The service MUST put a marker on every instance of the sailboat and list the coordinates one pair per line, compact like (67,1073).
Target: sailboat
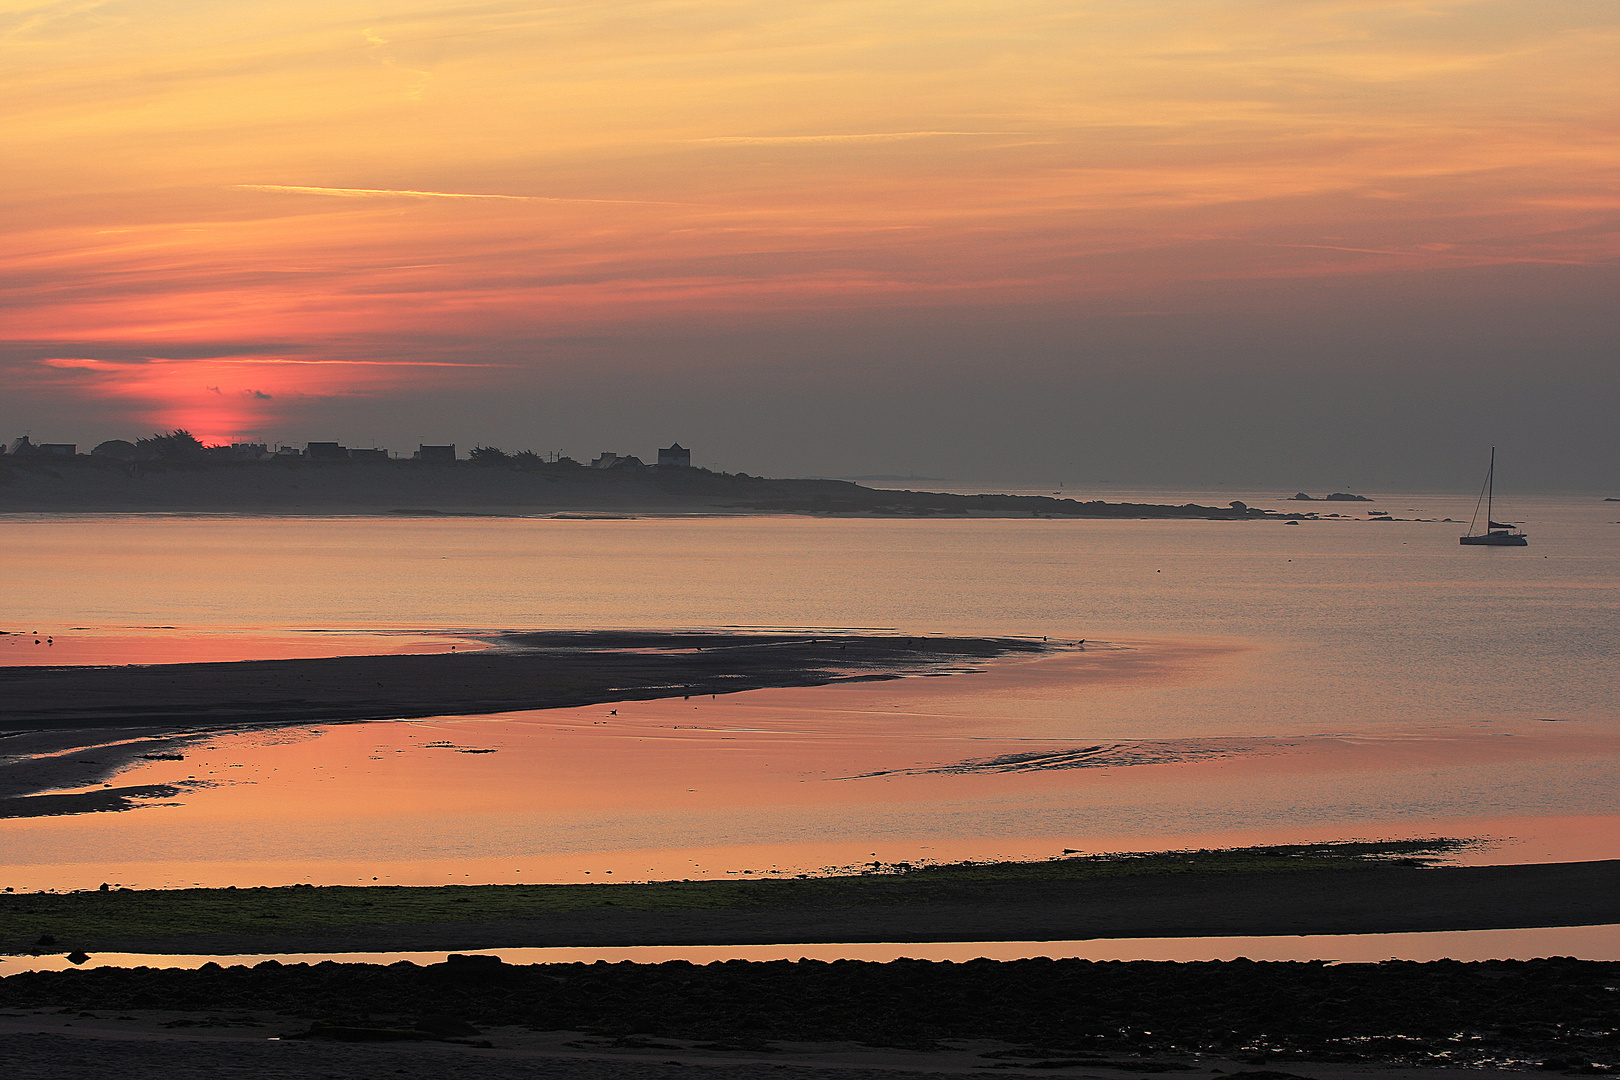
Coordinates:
(1496,534)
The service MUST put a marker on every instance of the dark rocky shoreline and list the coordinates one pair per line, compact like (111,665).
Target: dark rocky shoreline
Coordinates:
(1553,1014)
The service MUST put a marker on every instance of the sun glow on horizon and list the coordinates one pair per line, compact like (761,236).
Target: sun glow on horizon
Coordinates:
(317,188)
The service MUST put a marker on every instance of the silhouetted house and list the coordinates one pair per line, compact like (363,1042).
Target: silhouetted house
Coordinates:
(326,451)
(288,452)
(358,454)
(23,447)
(425,452)
(677,455)
(247,451)
(617,461)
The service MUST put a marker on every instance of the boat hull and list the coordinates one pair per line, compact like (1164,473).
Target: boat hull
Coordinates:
(1495,540)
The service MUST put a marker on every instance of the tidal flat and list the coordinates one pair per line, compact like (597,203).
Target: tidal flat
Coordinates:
(529,670)
(73,726)
(1367,887)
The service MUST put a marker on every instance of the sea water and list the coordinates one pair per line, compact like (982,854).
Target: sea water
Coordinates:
(1240,682)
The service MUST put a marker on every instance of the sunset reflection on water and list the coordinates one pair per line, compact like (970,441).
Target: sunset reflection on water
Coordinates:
(1240,684)
(782,782)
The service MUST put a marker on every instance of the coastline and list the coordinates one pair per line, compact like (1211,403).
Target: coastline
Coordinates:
(88,485)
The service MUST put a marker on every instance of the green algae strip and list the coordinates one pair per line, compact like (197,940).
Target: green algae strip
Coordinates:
(82,919)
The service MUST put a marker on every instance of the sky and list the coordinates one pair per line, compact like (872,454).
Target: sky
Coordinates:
(1314,244)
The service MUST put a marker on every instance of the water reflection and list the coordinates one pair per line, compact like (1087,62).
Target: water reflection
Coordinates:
(1272,683)
(1581,942)
(800,780)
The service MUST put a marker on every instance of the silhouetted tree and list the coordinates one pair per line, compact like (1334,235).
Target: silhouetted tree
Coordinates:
(178,444)
(488,455)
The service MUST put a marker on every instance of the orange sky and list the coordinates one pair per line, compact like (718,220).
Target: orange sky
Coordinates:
(300,220)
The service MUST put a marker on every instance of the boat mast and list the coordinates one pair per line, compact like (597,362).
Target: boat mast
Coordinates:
(1490,491)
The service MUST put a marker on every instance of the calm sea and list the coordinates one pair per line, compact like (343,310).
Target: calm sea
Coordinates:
(1241,682)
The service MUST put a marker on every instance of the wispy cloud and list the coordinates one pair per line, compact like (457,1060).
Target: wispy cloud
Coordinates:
(1430,251)
(354,363)
(98,364)
(88,363)
(406,193)
(868,136)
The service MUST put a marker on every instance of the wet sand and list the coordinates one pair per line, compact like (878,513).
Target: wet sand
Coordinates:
(72,727)
(534,670)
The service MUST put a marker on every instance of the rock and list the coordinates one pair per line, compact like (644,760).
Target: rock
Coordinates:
(473,961)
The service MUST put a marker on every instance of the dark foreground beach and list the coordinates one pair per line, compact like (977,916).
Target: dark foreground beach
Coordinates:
(477,1017)
(474,1016)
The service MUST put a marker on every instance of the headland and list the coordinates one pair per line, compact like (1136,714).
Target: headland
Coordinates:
(509,487)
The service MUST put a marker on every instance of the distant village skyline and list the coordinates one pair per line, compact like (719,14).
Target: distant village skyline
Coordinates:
(180,443)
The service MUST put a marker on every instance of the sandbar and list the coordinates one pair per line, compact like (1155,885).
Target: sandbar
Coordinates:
(70,727)
(1305,889)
